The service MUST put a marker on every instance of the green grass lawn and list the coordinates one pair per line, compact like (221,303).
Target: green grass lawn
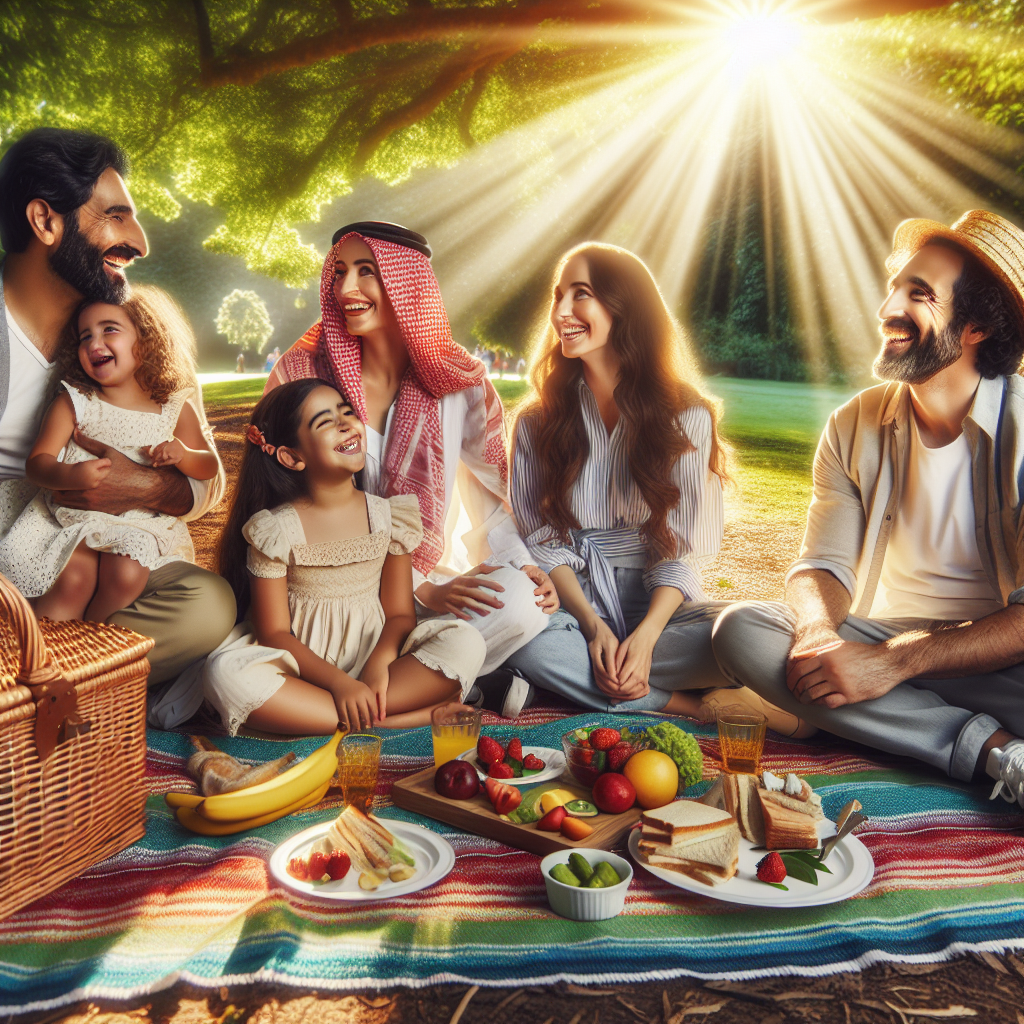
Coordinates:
(772,426)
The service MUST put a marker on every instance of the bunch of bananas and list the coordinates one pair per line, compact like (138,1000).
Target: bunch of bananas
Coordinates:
(225,813)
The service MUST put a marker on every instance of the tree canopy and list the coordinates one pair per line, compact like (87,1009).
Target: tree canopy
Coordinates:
(268,109)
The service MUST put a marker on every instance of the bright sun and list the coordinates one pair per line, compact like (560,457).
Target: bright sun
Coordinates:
(759,40)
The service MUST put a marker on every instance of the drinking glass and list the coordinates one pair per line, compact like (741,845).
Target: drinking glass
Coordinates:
(358,763)
(741,738)
(453,729)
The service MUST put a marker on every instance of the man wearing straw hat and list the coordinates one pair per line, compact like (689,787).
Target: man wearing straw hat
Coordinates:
(903,626)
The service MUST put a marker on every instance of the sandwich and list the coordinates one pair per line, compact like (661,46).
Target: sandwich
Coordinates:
(373,850)
(737,794)
(695,839)
(791,811)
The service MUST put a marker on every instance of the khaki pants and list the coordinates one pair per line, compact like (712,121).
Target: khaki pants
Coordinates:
(186,610)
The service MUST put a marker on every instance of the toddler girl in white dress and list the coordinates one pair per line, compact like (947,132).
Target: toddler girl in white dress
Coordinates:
(322,573)
(127,375)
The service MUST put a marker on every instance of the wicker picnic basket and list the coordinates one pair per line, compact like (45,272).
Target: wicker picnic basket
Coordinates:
(72,747)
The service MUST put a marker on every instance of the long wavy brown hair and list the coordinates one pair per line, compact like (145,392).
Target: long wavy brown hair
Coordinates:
(165,348)
(658,381)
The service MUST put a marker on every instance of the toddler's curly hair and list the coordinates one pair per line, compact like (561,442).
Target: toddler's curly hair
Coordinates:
(165,347)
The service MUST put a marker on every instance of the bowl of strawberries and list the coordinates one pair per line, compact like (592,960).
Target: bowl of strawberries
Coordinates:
(595,749)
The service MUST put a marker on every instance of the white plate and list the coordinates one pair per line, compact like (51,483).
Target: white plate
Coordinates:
(554,765)
(850,863)
(434,858)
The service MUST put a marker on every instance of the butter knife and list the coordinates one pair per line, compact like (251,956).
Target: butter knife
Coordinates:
(849,825)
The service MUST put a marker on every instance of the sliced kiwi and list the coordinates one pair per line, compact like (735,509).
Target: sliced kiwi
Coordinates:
(581,809)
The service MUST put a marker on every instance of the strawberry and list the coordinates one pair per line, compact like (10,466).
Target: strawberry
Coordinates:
(583,743)
(586,756)
(619,755)
(490,751)
(574,829)
(515,749)
(552,821)
(500,770)
(317,865)
(503,798)
(532,763)
(338,865)
(771,868)
(298,868)
(604,739)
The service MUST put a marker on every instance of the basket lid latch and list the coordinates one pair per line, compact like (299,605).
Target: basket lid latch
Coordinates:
(57,718)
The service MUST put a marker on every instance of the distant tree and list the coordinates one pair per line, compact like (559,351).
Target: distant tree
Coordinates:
(243,317)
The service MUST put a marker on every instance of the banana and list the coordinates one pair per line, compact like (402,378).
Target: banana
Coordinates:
(283,791)
(177,800)
(197,823)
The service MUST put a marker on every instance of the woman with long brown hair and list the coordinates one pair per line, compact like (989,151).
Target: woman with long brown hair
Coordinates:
(617,488)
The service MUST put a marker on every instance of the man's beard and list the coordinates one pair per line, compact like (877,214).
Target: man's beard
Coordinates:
(81,265)
(924,355)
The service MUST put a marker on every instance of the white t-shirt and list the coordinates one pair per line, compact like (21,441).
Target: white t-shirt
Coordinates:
(19,427)
(932,569)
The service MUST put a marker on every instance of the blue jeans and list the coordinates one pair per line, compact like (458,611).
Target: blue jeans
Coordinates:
(558,659)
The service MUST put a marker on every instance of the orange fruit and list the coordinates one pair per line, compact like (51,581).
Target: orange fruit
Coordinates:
(655,778)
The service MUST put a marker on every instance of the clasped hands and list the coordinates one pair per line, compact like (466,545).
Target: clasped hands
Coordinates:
(472,592)
(825,669)
(622,670)
(362,703)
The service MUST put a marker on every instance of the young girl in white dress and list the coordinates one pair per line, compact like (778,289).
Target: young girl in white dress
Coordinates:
(128,381)
(322,573)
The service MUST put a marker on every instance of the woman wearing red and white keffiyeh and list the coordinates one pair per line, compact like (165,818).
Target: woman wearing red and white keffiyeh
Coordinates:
(434,428)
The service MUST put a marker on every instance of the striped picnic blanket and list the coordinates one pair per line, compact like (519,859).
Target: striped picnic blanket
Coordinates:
(949,868)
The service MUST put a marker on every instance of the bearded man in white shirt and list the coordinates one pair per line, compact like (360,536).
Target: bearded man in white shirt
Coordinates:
(68,228)
(903,626)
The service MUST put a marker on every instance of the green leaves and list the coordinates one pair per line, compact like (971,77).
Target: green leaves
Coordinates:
(803,865)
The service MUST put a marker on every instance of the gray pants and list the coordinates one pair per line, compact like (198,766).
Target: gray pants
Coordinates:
(943,722)
(558,659)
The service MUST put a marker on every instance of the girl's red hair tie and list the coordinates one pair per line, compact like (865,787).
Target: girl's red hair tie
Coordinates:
(255,436)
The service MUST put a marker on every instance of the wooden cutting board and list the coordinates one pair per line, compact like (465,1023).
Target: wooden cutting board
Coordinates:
(417,793)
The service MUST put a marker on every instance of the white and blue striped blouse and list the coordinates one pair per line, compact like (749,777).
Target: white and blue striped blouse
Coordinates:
(610,509)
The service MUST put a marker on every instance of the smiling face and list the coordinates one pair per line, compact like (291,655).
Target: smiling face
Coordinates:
(106,344)
(359,291)
(581,322)
(330,434)
(918,335)
(99,241)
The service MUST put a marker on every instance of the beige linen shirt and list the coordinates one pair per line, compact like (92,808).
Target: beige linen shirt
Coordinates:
(859,469)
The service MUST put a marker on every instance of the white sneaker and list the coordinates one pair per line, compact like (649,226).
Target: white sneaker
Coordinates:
(502,692)
(1009,763)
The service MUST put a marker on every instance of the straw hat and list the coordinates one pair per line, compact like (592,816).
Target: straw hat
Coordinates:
(997,243)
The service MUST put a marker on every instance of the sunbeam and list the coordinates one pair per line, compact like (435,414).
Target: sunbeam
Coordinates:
(756,109)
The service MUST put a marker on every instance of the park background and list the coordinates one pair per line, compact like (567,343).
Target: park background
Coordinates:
(756,153)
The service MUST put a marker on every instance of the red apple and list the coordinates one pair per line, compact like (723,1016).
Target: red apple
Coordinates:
(457,780)
(613,793)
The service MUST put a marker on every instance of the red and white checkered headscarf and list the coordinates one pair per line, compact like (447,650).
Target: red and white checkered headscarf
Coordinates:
(414,458)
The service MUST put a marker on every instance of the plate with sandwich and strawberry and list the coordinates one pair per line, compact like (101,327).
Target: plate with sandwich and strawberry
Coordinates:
(357,858)
(754,840)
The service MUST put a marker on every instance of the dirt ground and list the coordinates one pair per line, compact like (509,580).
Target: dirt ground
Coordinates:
(986,987)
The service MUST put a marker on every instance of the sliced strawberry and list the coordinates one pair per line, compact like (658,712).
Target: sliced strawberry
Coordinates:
(338,865)
(499,770)
(552,821)
(532,763)
(515,749)
(299,868)
(489,750)
(604,739)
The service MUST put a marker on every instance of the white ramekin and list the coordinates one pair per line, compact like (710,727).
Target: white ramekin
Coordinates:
(581,904)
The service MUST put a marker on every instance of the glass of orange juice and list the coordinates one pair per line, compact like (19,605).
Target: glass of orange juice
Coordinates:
(741,738)
(358,764)
(454,728)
